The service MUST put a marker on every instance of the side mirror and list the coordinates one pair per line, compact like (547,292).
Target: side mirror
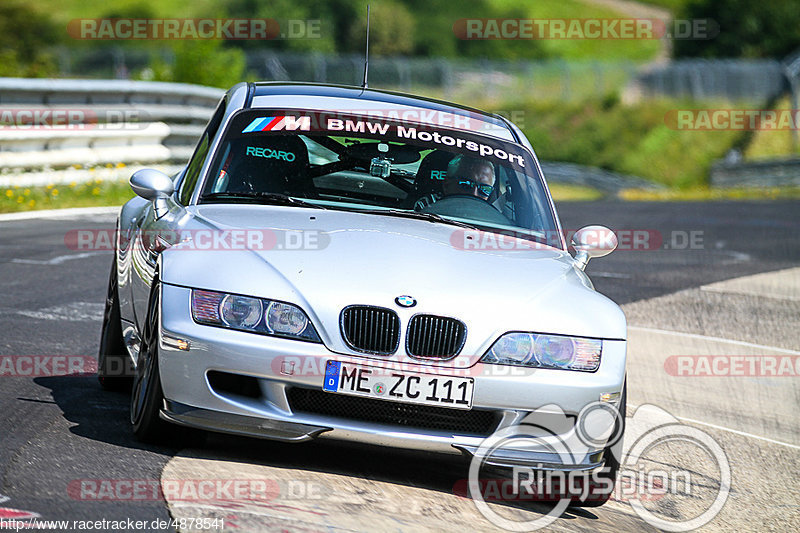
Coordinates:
(152,184)
(593,241)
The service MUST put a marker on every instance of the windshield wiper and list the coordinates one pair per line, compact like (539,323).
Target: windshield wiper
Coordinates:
(272,198)
(430,217)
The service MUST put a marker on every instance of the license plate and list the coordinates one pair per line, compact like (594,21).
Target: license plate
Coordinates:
(406,387)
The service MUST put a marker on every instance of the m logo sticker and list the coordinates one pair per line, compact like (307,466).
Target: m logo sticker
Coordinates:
(279,123)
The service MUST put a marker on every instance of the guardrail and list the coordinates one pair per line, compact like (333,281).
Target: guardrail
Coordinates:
(60,92)
(772,173)
(110,122)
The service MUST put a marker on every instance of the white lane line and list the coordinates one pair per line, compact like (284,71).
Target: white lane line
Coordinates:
(730,430)
(608,275)
(736,257)
(56,260)
(780,284)
(57,213)
(738,343)
(715,339)
(74,312)
(741,292)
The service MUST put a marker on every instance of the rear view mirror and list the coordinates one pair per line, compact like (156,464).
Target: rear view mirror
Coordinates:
(152,184)
(593,241)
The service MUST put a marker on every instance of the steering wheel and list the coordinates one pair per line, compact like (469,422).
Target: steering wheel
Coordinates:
(468,207)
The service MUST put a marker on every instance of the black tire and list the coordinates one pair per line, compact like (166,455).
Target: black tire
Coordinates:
(147,397)
(113,361)
(611,457)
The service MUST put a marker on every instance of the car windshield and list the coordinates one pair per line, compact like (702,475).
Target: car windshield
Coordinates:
(370,164)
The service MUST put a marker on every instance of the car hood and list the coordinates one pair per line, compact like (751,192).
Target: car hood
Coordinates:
(352,258)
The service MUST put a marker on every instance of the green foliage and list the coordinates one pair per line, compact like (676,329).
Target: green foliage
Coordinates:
(672,5)
(334,16)
(25,35)
(629,139)
(391,29)
(408,27)
(747,29)
(205,62)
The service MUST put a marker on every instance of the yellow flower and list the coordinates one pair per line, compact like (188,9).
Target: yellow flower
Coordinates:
(120,165)
(9,193)
(27,192)
(32,203)
(72,185)
(54,192)
(49,186)
(96,191)
(20,199)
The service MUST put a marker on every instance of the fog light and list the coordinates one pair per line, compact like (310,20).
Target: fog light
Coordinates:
(609,397)
(179,344)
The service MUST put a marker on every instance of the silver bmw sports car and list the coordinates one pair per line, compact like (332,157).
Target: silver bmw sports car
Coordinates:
(336,262)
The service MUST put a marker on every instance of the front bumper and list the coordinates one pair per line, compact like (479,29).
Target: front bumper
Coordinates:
(514,396)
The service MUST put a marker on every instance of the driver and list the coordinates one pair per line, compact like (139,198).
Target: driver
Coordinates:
(465,176)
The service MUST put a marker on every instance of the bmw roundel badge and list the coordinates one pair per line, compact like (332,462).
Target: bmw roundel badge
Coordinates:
(405,301)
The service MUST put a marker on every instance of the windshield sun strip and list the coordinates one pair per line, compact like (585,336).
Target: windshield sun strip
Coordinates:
(535,172)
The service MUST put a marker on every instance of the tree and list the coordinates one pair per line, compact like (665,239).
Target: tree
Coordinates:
(203,61)
(747,29)
(25,36)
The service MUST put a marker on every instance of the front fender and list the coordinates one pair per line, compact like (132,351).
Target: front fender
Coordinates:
(232,271)
(129,217)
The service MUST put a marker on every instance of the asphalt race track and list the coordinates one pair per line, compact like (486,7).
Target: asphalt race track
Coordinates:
(705,298)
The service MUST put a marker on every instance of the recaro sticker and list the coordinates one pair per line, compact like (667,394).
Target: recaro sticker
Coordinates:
(269,153)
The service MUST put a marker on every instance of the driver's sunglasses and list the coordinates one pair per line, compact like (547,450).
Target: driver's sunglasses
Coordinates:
(469,185)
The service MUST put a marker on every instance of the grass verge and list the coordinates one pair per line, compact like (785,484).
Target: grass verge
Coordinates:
(630,139)
(87,194)
(704,194)
(573,193)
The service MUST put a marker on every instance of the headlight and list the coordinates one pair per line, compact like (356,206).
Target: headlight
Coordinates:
(285,318)
(240,312)
(255,315)
(545,351)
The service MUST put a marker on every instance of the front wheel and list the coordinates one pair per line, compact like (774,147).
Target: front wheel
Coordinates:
(601,492)
(147,398)
(113,362)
